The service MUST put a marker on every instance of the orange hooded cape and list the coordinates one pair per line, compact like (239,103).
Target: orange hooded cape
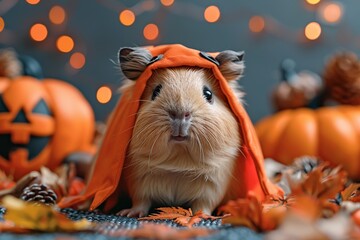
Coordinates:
(104,185)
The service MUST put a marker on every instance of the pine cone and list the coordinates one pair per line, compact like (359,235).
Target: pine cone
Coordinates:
(10,65)
(342,78)
(39,194)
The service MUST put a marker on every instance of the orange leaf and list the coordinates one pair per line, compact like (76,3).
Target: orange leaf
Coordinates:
(251,213)
(7,226)
(180,215)
(322,183)
(6,182)
(351,193)
(77,185)
(40,217)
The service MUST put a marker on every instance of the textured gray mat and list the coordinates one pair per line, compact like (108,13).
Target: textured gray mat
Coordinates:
(114,223)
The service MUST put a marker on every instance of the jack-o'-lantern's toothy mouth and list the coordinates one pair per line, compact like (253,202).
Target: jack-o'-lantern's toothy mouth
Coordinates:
(34,147)
(13,138)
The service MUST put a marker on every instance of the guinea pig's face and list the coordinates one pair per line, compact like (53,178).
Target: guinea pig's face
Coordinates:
(183,111)
(184,108)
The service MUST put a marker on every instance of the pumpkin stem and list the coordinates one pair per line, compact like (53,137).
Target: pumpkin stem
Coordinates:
(13,65)
(10,66)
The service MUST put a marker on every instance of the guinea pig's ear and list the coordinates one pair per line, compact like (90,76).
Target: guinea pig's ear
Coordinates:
(133,61)
(231,64)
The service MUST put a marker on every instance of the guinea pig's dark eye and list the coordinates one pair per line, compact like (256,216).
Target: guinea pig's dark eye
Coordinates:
(156,92)
(208,95)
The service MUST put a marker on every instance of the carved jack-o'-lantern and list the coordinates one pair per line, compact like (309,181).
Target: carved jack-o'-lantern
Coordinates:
(41,122)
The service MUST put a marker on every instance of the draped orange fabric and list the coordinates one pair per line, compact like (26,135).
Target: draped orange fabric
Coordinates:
(104,184)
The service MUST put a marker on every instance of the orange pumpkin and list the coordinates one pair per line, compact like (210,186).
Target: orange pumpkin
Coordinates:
(330,133)
(41,122)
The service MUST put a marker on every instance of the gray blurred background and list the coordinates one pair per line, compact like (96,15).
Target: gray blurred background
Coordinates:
(98,34)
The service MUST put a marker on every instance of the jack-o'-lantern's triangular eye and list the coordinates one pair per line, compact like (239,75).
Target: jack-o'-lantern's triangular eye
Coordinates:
(41,108)
(3,107)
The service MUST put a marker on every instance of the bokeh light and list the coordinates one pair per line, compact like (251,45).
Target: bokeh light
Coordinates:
(331,12)
(65,43)
(313,2)
(77,60)
(212,14)
(167,3)
(2,24)
(103,94)
(33,2)
(257,24)
(57,15)
(127,17)
(38,32)
(151,31)
(313,31)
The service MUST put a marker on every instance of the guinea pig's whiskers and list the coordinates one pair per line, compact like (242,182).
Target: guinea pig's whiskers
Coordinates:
(210,145)
(201,151)
(148,126)
(126,130)
(152,147)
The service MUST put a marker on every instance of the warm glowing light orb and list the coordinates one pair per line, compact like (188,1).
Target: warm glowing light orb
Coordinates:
(151,31)
(57,15)
(332,12)
(257,24)
(167,3)
(38,32)
(313,31)
(77,60)
(212,14)
(2,24)
(127,17)
(33,2)
(65,43)
(103,94)
(313,2)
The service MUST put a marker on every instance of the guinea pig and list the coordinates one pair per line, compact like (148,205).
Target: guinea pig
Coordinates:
(186,138)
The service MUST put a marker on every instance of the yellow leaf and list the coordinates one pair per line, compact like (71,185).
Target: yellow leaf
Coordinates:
(40,217)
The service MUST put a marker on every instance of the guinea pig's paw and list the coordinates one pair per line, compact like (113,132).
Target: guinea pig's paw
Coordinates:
(134,212)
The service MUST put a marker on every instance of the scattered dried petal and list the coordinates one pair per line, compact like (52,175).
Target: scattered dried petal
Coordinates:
(180,215)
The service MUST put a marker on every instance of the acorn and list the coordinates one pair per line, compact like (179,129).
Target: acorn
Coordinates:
(39,194)
(342,78)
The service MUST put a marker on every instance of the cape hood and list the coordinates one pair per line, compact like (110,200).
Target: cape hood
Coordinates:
(104,184)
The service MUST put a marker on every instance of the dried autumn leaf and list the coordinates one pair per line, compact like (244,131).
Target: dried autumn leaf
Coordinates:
(6,226)
(53,181)
(6,182)
(160,231)
(40,217)
(180,215)
(17,189)
(243,212)
(321,183)
(351,193)
(317,189)
(251,213)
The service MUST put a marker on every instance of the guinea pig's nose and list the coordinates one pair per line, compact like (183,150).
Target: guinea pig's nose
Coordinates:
(179,115)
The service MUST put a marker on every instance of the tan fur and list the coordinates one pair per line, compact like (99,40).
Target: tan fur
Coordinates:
(195,172)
